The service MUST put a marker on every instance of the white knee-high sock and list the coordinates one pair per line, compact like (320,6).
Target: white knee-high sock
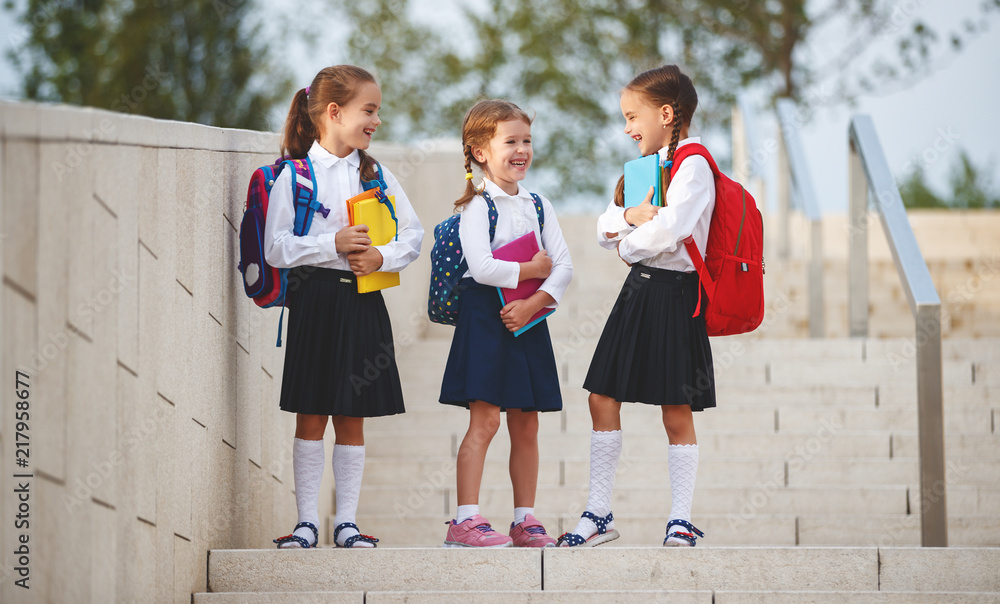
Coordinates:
(308,459)
(348,470)
(683,463)
(605,450)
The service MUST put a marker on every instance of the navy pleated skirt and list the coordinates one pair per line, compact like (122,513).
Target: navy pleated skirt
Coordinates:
(487,363)
(339,355)
(652,351)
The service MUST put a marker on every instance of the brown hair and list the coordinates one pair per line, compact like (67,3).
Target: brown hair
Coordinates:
(478,128)
(665,85)
(338,84)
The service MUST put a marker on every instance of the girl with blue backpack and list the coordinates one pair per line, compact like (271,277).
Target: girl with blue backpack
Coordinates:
(489,370)
(334,332)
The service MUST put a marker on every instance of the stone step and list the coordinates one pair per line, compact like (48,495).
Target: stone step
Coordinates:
(761,569)
(597,597)
(708,499)
(741,527)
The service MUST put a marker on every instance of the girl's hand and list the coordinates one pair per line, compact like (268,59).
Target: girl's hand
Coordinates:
(644,212)
(541,265)
(354,239)
(366,262)
(517,313)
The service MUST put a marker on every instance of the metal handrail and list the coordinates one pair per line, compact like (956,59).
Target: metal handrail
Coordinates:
(792,162)
(869,174)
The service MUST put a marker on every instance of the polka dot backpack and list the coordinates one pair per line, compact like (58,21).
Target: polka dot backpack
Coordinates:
(448,264)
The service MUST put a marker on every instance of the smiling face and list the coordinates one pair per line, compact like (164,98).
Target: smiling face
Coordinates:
(351,126)
(645,122)
(507,158)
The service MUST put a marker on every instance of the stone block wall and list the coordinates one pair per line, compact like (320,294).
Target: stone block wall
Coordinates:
(153,428)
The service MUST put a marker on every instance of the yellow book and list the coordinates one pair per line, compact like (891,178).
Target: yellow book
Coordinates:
(381,230)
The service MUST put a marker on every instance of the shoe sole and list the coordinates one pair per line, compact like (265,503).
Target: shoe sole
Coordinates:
(598,539)
(457,544)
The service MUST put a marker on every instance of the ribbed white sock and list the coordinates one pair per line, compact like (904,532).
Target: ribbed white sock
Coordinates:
(520,513)
(683,463)
(308,459)
(348,470)
(605,449)
(464,512)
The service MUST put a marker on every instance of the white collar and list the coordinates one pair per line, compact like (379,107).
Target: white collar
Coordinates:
(495,191)
(328,160)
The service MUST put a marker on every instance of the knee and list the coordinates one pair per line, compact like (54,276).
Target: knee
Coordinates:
(522,426)
(484,426)
(604,411)
(310,427)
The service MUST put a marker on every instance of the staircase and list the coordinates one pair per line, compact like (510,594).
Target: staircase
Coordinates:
(808,482)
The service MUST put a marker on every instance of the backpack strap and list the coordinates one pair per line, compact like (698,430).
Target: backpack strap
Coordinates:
(692,248)
(378,183)
(492,212)
(304,195)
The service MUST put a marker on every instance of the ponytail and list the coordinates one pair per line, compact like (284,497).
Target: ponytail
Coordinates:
(299,132)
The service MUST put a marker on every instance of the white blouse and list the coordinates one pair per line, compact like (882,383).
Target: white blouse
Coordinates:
(688,211)
(516,216)
(337,180)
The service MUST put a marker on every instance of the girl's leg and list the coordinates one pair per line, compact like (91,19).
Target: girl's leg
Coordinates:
(682,460)
(523,429)
(484,421)
(605,450)
(348,470)
(308,459)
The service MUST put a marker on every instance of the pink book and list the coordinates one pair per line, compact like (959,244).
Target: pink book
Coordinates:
(522,249)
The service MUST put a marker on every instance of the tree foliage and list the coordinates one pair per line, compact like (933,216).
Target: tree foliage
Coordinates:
(199,61)
(972,188)
(567,61)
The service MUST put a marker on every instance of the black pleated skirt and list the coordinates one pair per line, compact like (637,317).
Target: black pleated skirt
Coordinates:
(652,351)
(339,355)
(487,363)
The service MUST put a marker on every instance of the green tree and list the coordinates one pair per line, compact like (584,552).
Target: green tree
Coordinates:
(198,61)
(972,187)
(567,60)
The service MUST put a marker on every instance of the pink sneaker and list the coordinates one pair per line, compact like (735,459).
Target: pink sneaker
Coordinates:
(530,533)
(474,532)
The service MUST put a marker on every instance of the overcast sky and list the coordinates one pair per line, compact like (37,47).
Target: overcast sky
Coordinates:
(953,108)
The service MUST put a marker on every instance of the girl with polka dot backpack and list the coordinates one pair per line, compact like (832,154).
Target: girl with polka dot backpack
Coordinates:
(489,370)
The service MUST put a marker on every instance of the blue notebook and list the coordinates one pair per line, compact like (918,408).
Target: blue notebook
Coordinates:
(640,174)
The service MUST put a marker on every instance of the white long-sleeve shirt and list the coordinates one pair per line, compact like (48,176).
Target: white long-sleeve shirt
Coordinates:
(658,243)
(337,180)
(516,216)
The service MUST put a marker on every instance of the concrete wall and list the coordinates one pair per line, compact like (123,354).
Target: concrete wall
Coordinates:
(154,429)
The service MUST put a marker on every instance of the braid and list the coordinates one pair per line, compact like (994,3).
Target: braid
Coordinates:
(620,192)
(470,189)
(368,171)
(675,136)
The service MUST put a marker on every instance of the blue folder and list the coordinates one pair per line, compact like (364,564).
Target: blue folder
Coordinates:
(640,174)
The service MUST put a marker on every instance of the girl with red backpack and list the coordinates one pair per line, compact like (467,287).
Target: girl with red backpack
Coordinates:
(334,332)
(653,350)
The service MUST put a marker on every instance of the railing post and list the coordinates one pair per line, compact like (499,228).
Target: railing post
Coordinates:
(868,158)
(930,425)
(857,246)
(784,196)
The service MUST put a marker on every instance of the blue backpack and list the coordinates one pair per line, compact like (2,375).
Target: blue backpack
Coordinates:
(448,264)
(263,283)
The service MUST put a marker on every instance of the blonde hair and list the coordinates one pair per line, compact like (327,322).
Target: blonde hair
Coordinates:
(478,128)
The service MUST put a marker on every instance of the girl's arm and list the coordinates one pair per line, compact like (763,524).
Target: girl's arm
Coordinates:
(474,231)
(283,249)
(690,194)
(562,266)
(397,254)
(612,227)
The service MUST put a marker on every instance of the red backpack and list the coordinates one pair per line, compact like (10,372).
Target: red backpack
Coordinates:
(732,273)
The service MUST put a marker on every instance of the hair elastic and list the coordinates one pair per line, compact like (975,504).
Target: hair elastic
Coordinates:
(468,176)
(307,90)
